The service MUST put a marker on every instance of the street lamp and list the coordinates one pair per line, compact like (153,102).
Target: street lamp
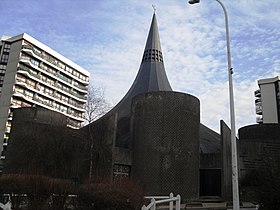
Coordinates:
(235,190)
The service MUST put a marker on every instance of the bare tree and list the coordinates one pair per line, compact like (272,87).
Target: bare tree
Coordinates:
(96,105)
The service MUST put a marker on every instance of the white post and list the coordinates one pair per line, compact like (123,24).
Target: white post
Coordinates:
(153,201)
(178,202)
(171,202)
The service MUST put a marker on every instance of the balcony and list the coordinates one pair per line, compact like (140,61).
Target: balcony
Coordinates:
(259,108)
(60,76)
(81,87)
(5,143)
(70,92)
(26,69)
(258,93)
(259,119)
(51,60)
(258,101)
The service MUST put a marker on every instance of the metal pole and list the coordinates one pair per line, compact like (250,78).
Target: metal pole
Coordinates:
(235,188)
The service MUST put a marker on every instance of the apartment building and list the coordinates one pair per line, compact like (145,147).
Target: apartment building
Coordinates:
(267,100)
(32,74)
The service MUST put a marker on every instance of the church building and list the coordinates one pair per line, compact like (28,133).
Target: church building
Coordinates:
(154,137)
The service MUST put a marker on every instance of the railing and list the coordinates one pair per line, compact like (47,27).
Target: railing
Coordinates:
(259,119)
(258,93)
(23,68)
(163,199)
(53,61)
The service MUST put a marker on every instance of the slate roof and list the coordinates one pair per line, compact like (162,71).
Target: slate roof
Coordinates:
(210,141)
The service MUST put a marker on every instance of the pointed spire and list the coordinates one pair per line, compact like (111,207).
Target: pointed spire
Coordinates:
(151,75)
(153,50)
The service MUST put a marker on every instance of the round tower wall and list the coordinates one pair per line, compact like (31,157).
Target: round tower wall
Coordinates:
(165,143)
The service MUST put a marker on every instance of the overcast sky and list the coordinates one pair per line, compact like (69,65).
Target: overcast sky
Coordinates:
(107,37)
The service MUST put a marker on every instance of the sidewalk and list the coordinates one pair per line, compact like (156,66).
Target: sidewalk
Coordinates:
(211,206)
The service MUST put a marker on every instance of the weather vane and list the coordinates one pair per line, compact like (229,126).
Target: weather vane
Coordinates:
(154,6)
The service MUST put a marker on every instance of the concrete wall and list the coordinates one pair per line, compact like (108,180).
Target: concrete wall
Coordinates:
(258,145)
(7,89)
(259,159)
(101,135)
(226,161)
(41,143)
(269,103)
(165,143)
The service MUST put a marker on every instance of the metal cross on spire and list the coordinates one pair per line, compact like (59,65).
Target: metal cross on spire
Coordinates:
(154,6)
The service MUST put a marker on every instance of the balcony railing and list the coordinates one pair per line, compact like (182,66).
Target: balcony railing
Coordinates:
(51,60)
(258,100)
(258,93)
(258,108)
(26,69)
(259,119)
(64,78)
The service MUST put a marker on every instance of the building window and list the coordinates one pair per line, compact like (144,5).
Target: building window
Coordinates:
(19,90)
(48,91)
(37,51)
(61,65)
(31,83)
(65,88)
(7,46)
(21,78)
(121,172)
(24,104)
(4,58)
(82,77)
(29,94)
(16,102)
(34,62)
(56,106)
(68,69)
(3,66)
(6,50)
(25,57)
(58,95)
(2,78)
(64,99)
(75,73)
(63,109)
(48,80)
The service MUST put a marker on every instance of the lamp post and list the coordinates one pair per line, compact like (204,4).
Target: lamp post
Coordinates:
(235,190)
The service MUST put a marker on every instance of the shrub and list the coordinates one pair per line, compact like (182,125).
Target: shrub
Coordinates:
(124,195)
(35,191)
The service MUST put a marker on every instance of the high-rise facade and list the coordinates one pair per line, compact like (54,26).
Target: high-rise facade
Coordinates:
(32,74)
(267,100)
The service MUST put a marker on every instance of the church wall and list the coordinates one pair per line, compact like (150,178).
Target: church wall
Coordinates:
(101,134)
(226,161)
(165,143)
(259,158)
(258,146)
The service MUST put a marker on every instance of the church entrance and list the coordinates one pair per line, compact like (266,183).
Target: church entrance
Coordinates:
(210,182)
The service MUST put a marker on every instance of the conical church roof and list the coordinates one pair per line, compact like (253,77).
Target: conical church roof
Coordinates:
(151,75)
